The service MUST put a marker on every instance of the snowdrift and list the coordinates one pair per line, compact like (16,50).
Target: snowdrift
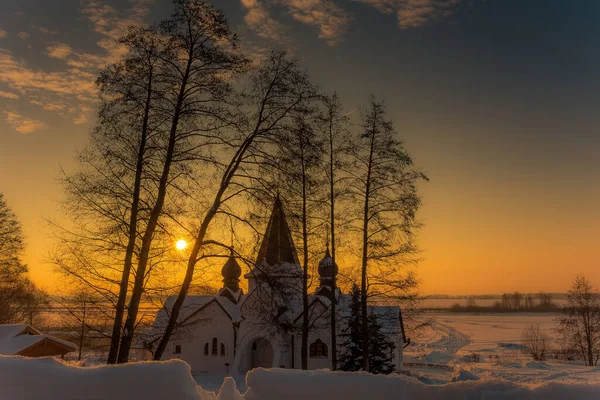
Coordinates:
(48,378)
(326,385)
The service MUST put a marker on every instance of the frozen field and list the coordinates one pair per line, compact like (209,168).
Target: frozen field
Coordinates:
(487,346)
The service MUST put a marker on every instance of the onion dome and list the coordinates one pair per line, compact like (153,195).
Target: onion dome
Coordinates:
(327,268)
(231,272)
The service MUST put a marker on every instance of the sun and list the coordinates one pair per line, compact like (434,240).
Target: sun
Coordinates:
(181,244)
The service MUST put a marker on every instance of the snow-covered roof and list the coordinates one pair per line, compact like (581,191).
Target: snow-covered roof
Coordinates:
(16,338)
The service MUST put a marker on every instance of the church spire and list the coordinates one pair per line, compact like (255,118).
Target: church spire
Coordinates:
(277,245)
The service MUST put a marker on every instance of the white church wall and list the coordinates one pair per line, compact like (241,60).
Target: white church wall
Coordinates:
(210,323)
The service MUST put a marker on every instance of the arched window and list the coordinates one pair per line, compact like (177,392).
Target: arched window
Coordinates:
(206,349)
(318,349)
(177,349)
(214,346)
(222,349)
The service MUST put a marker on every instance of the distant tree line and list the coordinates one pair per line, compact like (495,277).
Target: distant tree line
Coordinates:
(511,302)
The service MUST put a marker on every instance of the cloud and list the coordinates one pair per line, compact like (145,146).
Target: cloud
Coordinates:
(324,14)
(23,124)
(23,35)
(59,50)
(259,20)
(3,33)
(69,91)
(415,13)
(8,95)
(80,119)
(48,106)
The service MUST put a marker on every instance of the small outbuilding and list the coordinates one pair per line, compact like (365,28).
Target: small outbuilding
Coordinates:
(24,340)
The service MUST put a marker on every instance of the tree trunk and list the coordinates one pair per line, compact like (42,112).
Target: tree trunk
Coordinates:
(82,333)
(365,253)
(120,308)
(333,327)
(304,349)
(138,287)
(227,176)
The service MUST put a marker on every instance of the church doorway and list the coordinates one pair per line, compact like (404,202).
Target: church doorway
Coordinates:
(262,354)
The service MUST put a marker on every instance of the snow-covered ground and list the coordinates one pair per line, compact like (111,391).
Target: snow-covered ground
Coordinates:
(463,346)
(50,379)
(440,365)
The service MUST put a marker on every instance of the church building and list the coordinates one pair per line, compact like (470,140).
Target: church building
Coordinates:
(234,331)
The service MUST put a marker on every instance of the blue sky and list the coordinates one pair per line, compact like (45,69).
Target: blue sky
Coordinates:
(497,100)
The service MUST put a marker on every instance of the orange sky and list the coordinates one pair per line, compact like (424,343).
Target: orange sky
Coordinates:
(499,105)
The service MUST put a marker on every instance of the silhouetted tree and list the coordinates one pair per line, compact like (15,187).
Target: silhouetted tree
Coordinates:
(381,349)
(580,324)
(131,94)
(536,341)
(202,57)
(277,89)
(333,124)
(384,180)
(20,300)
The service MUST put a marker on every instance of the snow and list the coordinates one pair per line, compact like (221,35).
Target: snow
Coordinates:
(48,378)
(16,338)
(326,385)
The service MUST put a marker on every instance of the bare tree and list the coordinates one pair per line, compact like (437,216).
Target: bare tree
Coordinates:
(580,324)
(201,58)
(384,180)
(130,94)
(337,147)
(536,342)
(276,90)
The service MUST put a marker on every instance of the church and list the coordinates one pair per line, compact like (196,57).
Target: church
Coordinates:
(234,331)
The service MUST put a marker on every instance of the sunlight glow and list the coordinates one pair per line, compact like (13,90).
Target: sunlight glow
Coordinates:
(181,244)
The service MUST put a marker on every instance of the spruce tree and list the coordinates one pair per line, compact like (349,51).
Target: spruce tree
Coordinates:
(381,348)
(350,357)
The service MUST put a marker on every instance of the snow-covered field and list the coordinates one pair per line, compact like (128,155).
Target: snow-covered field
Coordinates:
(487,346)
(440,364)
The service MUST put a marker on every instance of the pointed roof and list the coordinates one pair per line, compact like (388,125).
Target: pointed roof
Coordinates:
(277,245)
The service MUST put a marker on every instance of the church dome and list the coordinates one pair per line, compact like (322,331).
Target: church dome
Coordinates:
(231,271)
(327,268)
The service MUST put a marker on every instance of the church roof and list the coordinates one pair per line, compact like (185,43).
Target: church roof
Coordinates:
(277,245)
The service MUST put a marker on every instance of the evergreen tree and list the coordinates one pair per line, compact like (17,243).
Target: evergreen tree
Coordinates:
(350,356)
(381,348)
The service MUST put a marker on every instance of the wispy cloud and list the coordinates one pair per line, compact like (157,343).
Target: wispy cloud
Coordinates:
(3,33)
(59,50)
(23,124)
(258,18)
(415,13)
(330,19)
(8,95)
(23,35)
(69,91)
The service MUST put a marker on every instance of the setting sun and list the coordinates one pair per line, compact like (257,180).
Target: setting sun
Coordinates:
(181,244)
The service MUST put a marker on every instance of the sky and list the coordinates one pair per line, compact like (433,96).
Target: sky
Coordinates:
(497,100)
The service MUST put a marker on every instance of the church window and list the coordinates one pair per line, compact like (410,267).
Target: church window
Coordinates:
(206,349)
(318,349)
(214,346)
(177,349)
(222,349)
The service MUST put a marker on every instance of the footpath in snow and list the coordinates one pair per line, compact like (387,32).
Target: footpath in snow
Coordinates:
(48,378)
